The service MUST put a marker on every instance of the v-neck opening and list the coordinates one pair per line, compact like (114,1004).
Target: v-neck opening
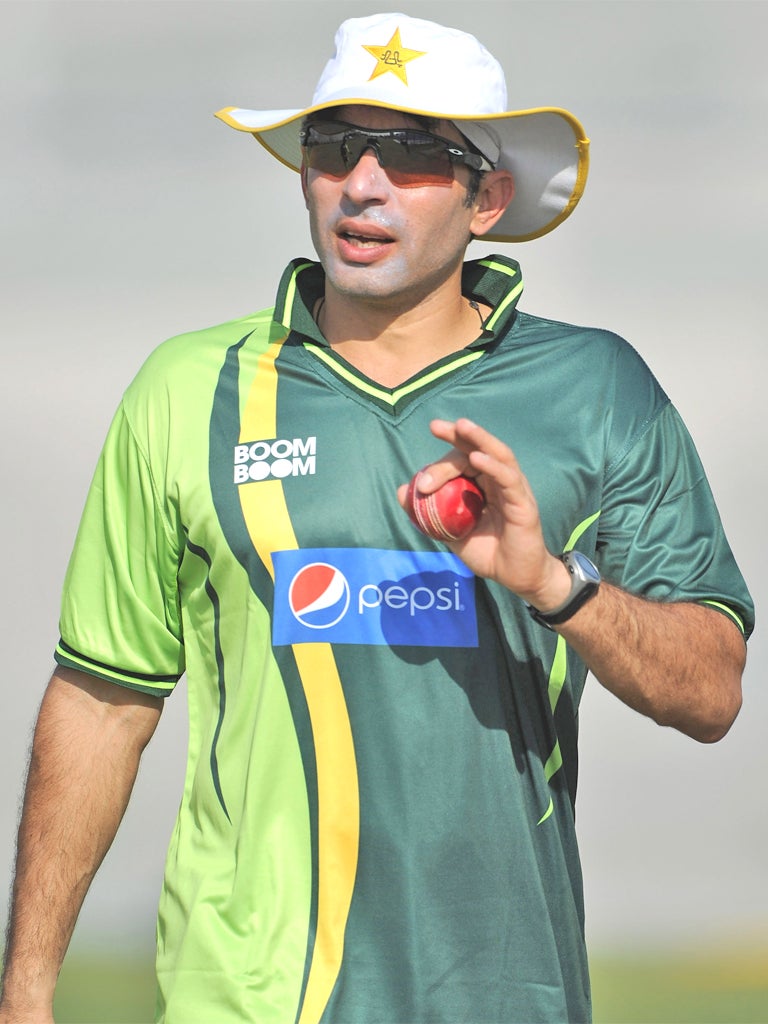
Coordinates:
(494,281)
(394,399)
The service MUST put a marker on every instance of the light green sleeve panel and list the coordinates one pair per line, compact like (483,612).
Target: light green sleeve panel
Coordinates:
(659,533)
(120,618)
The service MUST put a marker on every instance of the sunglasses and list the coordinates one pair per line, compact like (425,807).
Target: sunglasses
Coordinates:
(409,157)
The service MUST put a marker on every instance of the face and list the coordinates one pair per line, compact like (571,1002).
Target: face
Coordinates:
(381,243)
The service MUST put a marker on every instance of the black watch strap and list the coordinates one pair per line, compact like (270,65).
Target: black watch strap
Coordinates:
(585,581)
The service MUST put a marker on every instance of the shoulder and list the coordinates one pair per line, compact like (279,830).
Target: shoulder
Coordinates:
(191,352)
(588,352)
(597,371)
(178,380)
(598,341)
(188,365)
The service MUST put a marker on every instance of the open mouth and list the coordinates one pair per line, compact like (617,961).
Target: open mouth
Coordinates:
(364,241)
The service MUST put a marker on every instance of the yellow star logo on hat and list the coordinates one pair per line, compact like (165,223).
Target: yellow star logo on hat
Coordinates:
(392,57)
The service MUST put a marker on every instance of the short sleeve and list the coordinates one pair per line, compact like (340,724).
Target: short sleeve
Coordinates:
(120,616)
(660,533)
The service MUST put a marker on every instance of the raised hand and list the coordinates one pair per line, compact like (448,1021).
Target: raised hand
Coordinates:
(507,545)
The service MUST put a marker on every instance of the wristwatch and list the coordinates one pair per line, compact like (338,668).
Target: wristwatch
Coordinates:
(585,581)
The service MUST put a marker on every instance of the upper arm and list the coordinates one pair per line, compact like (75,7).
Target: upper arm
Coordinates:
(75,701)
(660,534)
(120,614)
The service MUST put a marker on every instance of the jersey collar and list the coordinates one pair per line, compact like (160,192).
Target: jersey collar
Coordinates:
(494,281)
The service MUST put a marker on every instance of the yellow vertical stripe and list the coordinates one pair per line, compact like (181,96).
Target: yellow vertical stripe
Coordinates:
(339,820)
(263,503)
(269,527)
(580,529)
(559,671)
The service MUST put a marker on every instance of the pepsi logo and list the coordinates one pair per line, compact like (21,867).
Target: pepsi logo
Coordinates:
(318,595)
(373,596)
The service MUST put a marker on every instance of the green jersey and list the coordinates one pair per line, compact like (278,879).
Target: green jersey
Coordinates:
(377,820)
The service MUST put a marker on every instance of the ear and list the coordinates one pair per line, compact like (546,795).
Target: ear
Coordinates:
(496,192)
(304,183)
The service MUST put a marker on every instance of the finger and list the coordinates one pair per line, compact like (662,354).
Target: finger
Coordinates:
(470,437)
(445,430)
(505,487)
(474,451)
(467,436)
(485,453)
(454,463)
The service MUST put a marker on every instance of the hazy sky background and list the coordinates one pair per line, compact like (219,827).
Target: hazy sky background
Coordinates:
(129,214)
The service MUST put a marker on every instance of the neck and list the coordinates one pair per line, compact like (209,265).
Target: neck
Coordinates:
(390,344)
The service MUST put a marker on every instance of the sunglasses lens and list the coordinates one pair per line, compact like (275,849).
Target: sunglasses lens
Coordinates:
(410,163)
(327,158)
(409,158)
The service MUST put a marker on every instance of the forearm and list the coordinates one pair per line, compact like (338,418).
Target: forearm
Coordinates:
(84,760)
(678,663)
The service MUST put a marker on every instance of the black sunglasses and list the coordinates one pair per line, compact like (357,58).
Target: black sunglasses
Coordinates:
(409,157)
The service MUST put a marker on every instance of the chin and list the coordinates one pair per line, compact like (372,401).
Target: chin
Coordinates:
(361,281)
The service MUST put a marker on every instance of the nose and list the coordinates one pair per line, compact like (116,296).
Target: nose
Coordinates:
(367,181)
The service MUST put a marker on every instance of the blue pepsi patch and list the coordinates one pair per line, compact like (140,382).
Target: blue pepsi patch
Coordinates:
(371,596)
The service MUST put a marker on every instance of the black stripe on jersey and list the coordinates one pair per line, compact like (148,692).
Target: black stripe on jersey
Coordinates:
(215,604)
(143,677)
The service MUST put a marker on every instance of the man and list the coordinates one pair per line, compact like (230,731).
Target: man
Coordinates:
(377,821)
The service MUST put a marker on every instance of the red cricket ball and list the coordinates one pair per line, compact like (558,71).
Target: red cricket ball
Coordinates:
(450,513)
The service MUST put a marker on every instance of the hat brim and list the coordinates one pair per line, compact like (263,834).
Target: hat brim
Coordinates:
(545,149)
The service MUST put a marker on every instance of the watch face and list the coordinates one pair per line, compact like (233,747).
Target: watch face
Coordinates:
(585,567)
(585,580)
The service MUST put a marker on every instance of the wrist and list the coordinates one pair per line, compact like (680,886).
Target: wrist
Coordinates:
(555,589)
(25,1011)
(584,584)
(28,995)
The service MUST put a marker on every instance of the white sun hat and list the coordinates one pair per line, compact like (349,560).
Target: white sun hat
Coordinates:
(419,67)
